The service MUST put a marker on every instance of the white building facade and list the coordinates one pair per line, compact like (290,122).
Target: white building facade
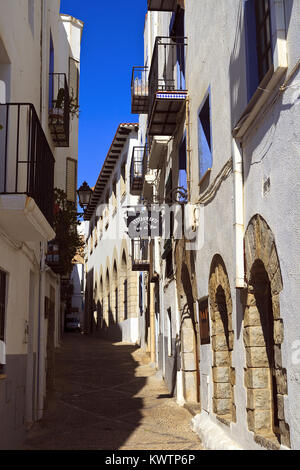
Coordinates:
(221,124)
(37,139)
(111,287)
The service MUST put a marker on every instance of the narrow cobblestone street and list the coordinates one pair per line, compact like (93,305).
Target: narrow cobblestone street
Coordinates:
(107,397)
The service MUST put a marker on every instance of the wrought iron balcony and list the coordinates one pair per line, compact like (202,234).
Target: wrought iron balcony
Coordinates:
(140,254)
(26,160)
(59,109)
(167,90)
(136,171)
(139,90)
(162,5)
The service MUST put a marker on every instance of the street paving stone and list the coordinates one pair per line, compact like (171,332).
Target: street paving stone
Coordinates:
(107,396)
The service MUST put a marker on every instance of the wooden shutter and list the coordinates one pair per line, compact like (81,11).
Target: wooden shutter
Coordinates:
(204,321)
(71,182)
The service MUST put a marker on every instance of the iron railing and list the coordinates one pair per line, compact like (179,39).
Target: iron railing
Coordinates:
(140,254)
(26,160)
(162,5)
(59,109)
(167,72)
(136,169)
(139,90)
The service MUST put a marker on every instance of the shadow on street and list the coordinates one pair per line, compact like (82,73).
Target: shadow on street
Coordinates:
(106,397)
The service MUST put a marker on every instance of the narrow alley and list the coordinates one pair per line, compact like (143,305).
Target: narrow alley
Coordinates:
(107,397)
(149,227)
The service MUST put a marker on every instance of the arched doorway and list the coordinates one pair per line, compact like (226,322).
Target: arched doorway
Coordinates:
(189,346)
(107,311)
(100,304)
(123,288)
(265,377)
(223,374)
(115,305)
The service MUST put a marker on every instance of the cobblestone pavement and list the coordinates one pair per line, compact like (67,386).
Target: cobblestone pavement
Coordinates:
(107,397)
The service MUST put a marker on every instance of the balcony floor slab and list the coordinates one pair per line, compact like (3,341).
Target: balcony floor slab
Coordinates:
(21,218)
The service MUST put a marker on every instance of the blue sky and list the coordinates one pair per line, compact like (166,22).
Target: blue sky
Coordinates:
(112,43)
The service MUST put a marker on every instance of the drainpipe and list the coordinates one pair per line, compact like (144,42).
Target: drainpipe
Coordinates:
(188,147)
(179,376)
(238,214)
(41,355)
(152,322)
(162,298)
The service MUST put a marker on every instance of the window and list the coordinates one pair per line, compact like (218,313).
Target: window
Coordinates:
(204,136)
(177,30)
(259,54)
(182,165)
(2,319)
(71,179)
(169,330)
(204,321)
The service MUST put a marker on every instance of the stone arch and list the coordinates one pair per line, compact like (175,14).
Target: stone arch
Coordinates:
(123,285)
(189,346)
(106,299)
(115,291)
(223,374)
(96,285)
(101,286)
(265,378)
(96,318)
(100,300)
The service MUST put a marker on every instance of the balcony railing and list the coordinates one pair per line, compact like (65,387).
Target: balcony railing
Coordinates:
(167,90)
(136,170)
(59,109)
(139,90)
(162,5)
(26,160)
(140,254)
